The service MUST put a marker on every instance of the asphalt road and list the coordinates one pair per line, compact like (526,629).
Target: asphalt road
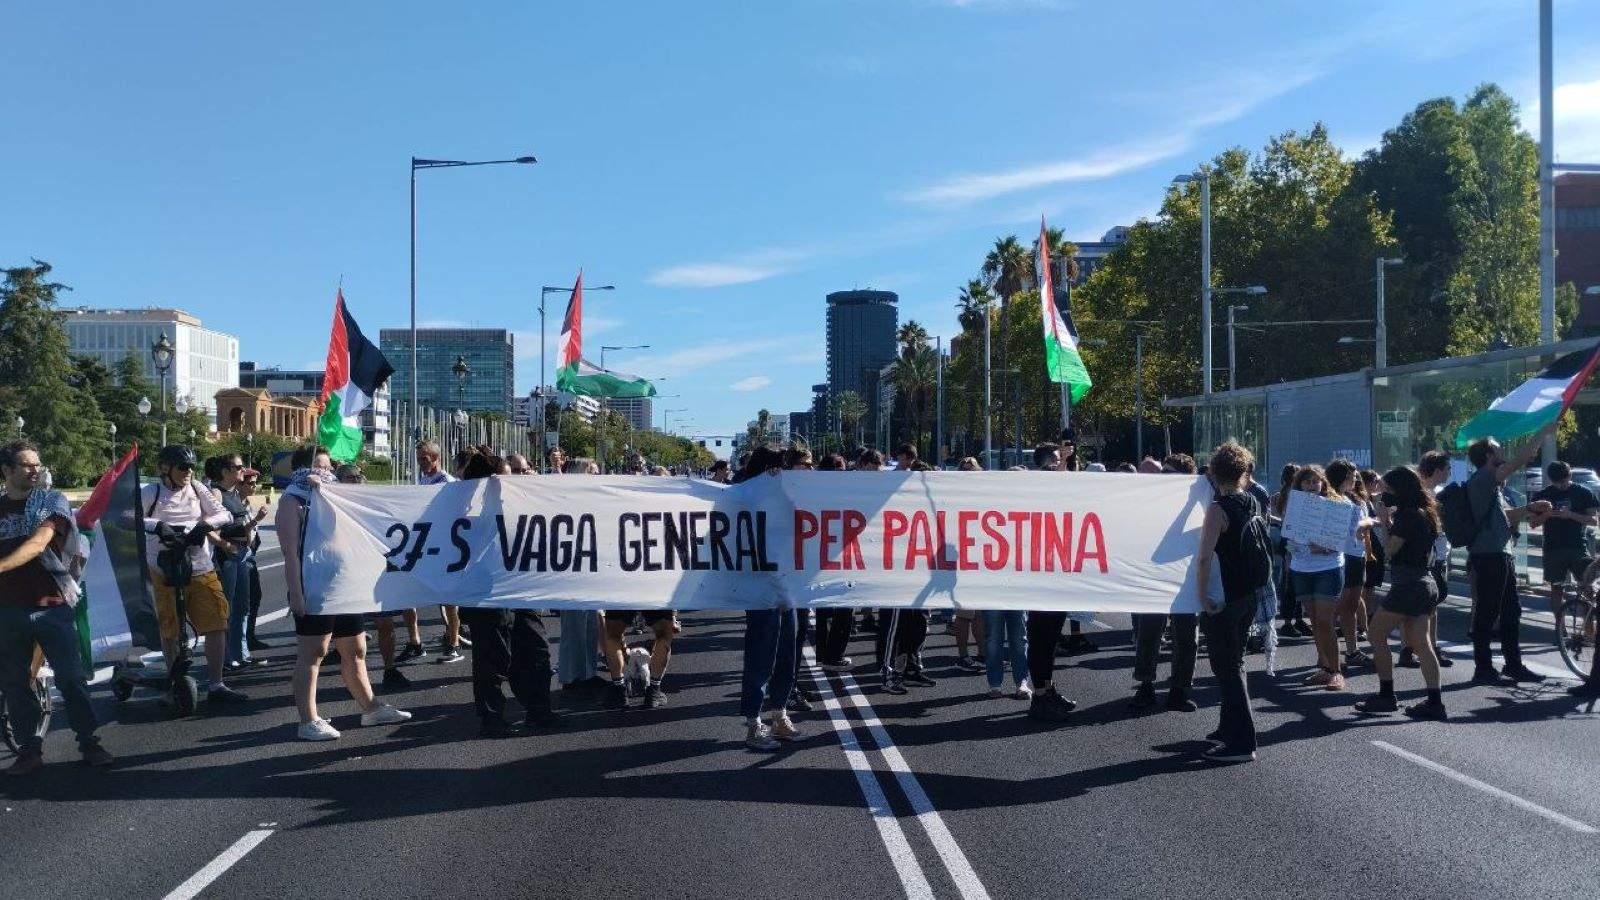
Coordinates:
(943,793)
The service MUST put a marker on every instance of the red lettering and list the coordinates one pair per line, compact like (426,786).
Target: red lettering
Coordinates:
(1018,519)
(1091,528)
(943,560)
(1057,544)
(830,518)
(805,527)
(996,551)
(894,525)
(964,520)
(850,553)
(1035,546)
(921,542)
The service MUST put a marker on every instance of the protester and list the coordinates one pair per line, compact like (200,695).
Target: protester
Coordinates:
(1044,629)
(555,460)
(1572,510)
(518,464)
(38,596)
(508,645)
(313,468)
(1294,623)
(1496,607)
(1346,481)
(1318,576)
(249,483)
(233,564)
(1373,490)
(383,622)
(834,624)
(1413,528)
(770,647)
(430,472)
(1148,629)
(902,632)
(176,500)
(721,473)
(1233,538)
(969,464)
(1589,687)
(580,646)
(1434,469)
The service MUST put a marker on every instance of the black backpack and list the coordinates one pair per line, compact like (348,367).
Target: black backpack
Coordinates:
(1455,513)
(1251,561)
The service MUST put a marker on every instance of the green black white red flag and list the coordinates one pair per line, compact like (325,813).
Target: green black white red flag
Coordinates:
(1061,360)
(1535,403)
(576,375)
(116,609)
(356,369)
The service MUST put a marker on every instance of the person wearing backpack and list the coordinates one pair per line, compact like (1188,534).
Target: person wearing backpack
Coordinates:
(1234,538)
(1493,574)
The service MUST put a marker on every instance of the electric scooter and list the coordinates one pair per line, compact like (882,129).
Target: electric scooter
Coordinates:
(182,691)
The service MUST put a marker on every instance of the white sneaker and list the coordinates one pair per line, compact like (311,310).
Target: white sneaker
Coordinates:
(450,655)
(384,714)
(1025,690)
(316,730)
(758,737)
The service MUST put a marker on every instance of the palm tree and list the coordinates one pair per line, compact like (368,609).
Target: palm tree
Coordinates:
(851,409)
(914,377)
(974,299)
(1008,268)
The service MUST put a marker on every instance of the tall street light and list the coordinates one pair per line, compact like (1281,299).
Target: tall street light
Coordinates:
(416,424)
(1381,333)
(1204,177)
(461,370)
(161,353)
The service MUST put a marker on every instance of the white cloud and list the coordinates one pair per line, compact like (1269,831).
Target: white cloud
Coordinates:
(700,356)
(753,383)
(968,188)
(528,340)
(707,275)
(1577,121)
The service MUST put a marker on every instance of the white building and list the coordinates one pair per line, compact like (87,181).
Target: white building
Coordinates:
(777,429)
(307,384)
(639,411)
(523,409)
(203,361)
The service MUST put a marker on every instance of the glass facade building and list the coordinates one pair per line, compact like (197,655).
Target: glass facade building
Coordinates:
(491,360)
(203,361)
(861,341)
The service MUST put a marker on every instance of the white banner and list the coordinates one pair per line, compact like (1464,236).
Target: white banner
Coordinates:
(966,540)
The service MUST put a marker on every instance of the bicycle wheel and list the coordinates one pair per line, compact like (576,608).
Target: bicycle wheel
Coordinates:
(1575,632)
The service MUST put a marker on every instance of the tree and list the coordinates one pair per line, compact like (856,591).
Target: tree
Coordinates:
(851,410)
(914,375)
(40,383)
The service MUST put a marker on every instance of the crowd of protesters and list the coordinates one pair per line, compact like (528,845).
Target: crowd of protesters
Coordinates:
(1250,576)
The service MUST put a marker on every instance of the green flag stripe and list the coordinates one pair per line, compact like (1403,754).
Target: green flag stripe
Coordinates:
(1505,426)
(343,441)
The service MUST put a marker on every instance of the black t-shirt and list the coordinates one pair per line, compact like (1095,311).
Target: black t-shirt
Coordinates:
(1565,535)
(1417,531)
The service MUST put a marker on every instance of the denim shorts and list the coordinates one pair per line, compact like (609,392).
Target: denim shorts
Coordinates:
(1324,585)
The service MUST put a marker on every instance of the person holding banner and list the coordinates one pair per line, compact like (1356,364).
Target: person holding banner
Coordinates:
(313,467)
(1148,629)
(431,471)
(770,648)
(835,624)
(1044,628)
(1317,573)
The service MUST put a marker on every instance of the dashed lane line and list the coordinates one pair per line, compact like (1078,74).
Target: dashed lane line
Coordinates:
(225,860)
(1491,790)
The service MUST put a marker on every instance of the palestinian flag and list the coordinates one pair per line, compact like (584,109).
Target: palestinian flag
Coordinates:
(577,375)
(1061,360)
(116,609)
(356,369)
(1535,403)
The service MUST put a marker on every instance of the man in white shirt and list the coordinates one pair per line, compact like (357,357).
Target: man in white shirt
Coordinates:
(177,500)
(430,471)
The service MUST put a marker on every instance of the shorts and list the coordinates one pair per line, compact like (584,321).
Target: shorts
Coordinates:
(1376,570)
(345,626)
(1414,593)
(1561,564)
(1355,571)
(619,619)
(1325,585)
(204,603)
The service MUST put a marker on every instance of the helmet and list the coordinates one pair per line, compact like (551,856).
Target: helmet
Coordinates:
(176,456)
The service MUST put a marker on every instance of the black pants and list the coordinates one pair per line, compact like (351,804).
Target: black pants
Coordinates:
(833,627)
(1495,609)
(802,627)
(1044,630)
(901,631)
(1289,606)
(1225,636)
(255,601)
(509,646)
(1147,629)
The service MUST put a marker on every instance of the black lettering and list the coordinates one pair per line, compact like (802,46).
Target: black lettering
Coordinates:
(720,526)
(397,549)
(651,564)
(560,543)
(627,551)
(745,542)
(586,543)
(421,530)
(534,554)
(676,539)
(510,552)
(762,563)
(460,543)
(695,562)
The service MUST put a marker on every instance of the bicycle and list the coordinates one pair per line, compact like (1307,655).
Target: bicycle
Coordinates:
(1576,621)
(8,734)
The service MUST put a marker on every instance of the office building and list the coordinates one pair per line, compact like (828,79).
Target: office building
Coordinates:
(1578,243)
(490,356)
(523,408)
(861,341)
(203,361)
(1092,255)
(306,384)
(638,411)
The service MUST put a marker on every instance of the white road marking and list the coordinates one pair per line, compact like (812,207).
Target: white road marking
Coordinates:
(1489,789)
(955,861)
(894,837)
(1464,651)
(213,870)
(270,565)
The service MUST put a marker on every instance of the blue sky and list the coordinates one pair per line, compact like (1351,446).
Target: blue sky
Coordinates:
(725,164)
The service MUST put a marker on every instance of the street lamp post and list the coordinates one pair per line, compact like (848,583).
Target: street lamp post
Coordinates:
(988,385)
(1381,333)
(1233,370)
(161,353)
(112,426)
(416,164)
(461,370)
(938,402)
(1138,396)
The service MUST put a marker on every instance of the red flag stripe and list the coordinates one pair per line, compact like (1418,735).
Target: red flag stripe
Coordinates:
(95,507)
(337,373)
